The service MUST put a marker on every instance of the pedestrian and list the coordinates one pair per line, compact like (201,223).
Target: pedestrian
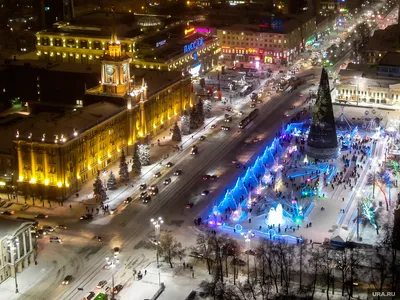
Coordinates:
(145,272)
(184,265)
(70,206)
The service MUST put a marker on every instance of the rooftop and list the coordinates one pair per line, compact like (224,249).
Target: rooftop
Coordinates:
(99,24)
(52,125)
(385,40)
(390,59)
(283,24)
(53,66)
(10,226)
(365,75)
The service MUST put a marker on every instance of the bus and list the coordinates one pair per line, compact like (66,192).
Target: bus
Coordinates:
(246,121)
(101,296)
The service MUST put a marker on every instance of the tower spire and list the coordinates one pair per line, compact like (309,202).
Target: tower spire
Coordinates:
(114,37)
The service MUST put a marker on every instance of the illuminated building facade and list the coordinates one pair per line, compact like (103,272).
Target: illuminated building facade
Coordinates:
(58,153)
(86,40)
(271,42)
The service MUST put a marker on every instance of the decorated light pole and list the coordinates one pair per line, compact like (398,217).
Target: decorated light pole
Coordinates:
(247,243)
(112,262)
(157,229)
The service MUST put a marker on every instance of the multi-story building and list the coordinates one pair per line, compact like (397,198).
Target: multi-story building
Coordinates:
(58,153)
(272,41)
(363,84)
(17,250)
(382,42)
(160,43)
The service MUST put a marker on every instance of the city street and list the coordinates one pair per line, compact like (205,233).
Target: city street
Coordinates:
(129,227)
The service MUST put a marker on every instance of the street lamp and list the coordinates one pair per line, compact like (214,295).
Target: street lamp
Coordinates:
(112,262)
(247,243)
(13,245)
(357,87)
(157,228)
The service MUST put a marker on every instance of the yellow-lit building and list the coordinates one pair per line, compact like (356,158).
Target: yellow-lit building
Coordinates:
(85,39)
(58,153)
(273,41)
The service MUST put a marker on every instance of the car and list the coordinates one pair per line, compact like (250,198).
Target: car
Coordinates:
(146,199)
(169,164)
(252,105)
(113,211)
(118,288)
(156,175)
(41,216)
(300,94)
(238,165)
(61,226)
(240,113)
(259,101)
(41,232)
(154,192)
(86,217)
(55,239)
(101,284)
(89,296)
(285,115)
(225,128)
(143,186)
(189,205)
(196,254)
(117,250)
(7,212)
(293,107)
(205,192)
(143,194)
(178,172)
(202,138)
(250,252)
(167,181)
(128,200)
(107,266)
(213,177)
(67,279)
(206,177)
(269,93)
(97,238)
(107,289)
(213,126)
(48,228)
(195,150)
(234,161)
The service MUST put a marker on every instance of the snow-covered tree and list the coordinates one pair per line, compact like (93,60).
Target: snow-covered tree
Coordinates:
(176,133)
(123,168)
(185,123)
(194,119)
(136,166)
(207,108)
(112,181)
(144,154)
(98,189)
(200,113)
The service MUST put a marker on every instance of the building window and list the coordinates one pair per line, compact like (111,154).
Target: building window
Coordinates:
(79,102)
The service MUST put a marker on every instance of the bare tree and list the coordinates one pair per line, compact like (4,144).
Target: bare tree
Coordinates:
(314,269)
(204,247)
(170,248)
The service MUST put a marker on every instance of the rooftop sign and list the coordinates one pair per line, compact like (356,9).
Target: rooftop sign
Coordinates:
(193,45)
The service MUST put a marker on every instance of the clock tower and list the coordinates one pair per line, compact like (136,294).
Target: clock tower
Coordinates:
(115,75)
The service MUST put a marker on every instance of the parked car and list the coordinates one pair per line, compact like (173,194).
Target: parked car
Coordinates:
(178,172)
(213,126)
(86,217)
(118,288)
(169,164)
(41,216)
(48,228)
(202,138)
(89,296)
(128,200)
(143,186)
(101,284)
(67,279)
(97,238)
(55,239)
